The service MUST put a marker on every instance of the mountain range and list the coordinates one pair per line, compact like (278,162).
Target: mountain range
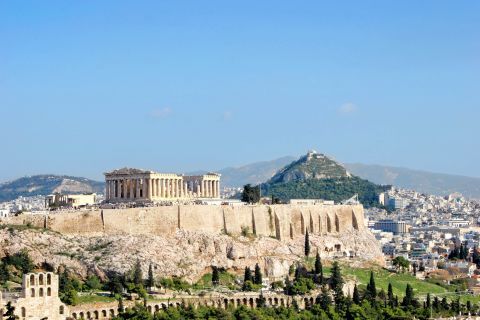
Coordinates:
(260,172)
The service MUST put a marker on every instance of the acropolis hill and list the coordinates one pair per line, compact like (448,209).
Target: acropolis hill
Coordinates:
(156,217)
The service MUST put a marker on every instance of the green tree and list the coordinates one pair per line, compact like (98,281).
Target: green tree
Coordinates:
(215,276)
(151,278)
(251,194)
(401,263)
(318,269)
(371,293)
(337,284)
(408,299)
(391,299)
(324,299)
(258,275)
(307,244)
(120,307)
(10,312)
(137,274)
(247,276)
(356,295)
(93,283)
(428,302)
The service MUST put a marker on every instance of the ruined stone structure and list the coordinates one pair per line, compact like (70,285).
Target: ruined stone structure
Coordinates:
(279,221)
(38,298)
(129,184)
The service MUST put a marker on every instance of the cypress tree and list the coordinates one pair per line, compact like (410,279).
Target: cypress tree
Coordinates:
(436,304)
(390,297)
(258,275)
(356,295)
(137,274)
(408,300)
(247,275)
(337,284)
(318,269)
(120,305)
(307,244)
(151,280)
(10,312)
(324,299)
(428,303)
(371,293)
(215,276)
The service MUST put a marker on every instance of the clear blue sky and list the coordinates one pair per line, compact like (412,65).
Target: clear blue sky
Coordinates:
(89,86)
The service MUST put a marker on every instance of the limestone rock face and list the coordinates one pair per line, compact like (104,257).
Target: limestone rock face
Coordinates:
(185,254)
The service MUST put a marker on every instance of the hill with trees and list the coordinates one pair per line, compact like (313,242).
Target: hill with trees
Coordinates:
(316,176)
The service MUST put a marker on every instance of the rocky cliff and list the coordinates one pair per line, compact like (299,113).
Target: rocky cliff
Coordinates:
(185,253)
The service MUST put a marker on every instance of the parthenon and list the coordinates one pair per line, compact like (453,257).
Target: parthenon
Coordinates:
(130,184)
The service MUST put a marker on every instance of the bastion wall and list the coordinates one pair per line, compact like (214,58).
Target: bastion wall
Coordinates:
(279,221)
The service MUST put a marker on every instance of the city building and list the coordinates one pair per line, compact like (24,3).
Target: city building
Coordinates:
(387,225)
(397,203)
(130,184)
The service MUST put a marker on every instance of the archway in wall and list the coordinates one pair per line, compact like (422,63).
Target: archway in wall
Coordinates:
(329,224)
(337,223)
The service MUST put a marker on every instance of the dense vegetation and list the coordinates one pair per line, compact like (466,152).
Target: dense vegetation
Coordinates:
(337,189)
(369,303)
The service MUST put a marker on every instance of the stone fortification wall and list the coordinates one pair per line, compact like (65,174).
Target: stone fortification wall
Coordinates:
(279,221)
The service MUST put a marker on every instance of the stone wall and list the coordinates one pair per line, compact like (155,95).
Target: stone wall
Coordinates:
(279,221)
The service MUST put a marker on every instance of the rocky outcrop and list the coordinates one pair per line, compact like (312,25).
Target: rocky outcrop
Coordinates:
(185,254)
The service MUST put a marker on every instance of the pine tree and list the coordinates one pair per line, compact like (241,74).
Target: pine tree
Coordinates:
(318,269)
(356,295)
(307,244)
(151,280)
(371,293)
(390,297)
(10,312)
(257,275)
(215,276)
(337,284)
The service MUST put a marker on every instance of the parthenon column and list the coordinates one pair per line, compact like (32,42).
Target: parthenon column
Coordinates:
(131,188)
(179,190)
(136,188)
(162,190)
(218,188)
(169,190)
(154,188)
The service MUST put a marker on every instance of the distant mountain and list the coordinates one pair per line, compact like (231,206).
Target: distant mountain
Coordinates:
(316,176)
(254,173)
(47,184)
(421,181)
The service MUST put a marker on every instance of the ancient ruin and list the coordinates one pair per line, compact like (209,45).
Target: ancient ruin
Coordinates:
(130,184)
